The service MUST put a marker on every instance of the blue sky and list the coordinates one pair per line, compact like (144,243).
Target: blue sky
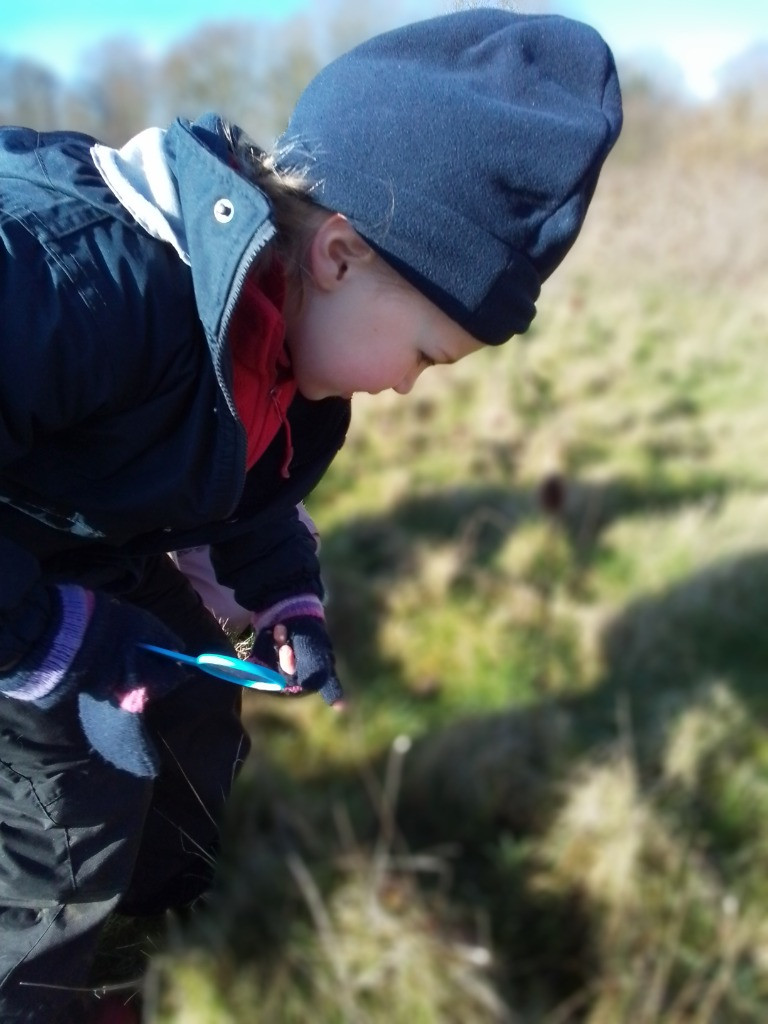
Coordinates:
(698,34)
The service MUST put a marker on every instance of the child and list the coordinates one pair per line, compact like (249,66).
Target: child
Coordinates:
(184,323)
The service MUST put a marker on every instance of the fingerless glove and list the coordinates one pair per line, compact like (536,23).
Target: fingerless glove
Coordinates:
(307,635)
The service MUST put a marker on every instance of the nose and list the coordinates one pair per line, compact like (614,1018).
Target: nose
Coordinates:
(406,384)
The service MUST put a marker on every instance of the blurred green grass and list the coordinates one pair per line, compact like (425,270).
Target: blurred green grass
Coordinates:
(547,575)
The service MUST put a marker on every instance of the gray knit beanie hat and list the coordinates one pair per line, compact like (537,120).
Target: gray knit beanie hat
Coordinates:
(465,149)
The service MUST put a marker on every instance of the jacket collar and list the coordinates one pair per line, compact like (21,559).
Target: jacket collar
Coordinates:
(227,219)
(139,176)
(180,186)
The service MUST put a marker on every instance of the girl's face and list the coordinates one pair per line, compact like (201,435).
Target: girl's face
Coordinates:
(361,327)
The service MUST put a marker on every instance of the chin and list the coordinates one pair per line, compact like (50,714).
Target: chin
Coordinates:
(313,394)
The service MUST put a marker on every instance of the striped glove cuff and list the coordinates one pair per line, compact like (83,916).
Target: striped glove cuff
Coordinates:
(289,608)
(41,679)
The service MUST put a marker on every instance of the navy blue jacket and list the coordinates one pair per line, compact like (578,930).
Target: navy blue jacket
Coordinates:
(118,433)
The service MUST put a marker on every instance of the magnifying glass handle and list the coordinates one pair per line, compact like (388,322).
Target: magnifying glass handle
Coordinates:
(174,655)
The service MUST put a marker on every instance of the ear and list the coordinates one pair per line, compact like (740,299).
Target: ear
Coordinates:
(334,251)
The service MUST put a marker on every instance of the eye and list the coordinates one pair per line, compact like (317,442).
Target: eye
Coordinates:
(426,360)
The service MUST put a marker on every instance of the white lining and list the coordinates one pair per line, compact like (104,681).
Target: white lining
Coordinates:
(139,177)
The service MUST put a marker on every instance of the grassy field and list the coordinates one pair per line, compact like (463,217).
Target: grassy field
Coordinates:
(547,573)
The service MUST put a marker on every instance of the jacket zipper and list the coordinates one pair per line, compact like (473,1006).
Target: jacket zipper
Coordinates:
(260,239)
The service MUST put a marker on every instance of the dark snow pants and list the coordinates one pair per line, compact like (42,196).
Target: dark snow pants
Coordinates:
(80,838)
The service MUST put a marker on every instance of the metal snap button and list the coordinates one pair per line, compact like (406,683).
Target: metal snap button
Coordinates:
(223,211)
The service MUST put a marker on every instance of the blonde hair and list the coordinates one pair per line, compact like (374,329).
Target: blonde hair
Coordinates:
(295,214)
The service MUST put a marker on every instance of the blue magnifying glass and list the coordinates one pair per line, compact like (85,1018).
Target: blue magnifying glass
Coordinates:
(234,670)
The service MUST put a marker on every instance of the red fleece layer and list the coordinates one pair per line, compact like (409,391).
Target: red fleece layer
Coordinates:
(263,385)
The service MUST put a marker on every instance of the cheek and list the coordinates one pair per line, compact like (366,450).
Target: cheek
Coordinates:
(342,349)
(322,365)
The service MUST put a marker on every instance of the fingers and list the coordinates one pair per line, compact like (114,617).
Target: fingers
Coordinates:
(286,659)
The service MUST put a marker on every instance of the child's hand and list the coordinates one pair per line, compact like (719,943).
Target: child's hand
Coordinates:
(92,654)
(286,660)
(301,649)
